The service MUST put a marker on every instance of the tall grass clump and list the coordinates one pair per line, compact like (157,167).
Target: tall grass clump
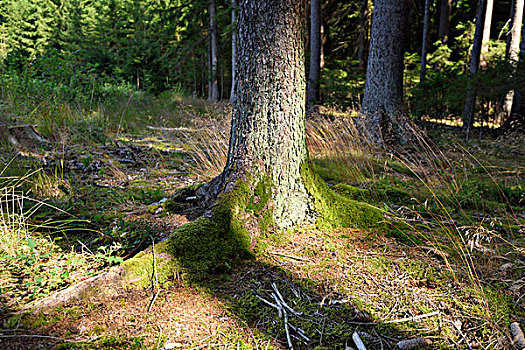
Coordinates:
(13,225)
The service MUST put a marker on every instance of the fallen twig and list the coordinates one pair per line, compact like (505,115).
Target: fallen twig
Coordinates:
(282,302)
(413,318)
(409,344)
(155,282)
(358,342)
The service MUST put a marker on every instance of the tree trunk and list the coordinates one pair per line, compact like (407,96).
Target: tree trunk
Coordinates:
(517,114)
(470,102)
(423,71)
(383,111)
(213,93)
(444,20)
(512,49)
(486,32)
(363,33)
(314,74)
(234,47)
(268,134)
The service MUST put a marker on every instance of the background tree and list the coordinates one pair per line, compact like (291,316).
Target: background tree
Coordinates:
(444,20)
(486,31)
(517,117)
(512,48)
(383,111)
(314,73)
(213,93)
(234,47)
(363,34)
(468,112)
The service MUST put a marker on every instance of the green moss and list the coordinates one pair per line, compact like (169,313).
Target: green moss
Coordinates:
(215,244)
(335,210)
(171,206)
(352,192)
(139,271)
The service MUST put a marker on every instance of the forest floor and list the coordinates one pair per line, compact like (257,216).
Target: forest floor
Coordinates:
(78,201)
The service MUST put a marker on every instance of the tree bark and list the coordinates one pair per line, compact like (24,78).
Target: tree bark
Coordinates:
(383,115)
(423,70)
(444,20)
(363,33)
(486,32)
(234,47)
(517,113)
(512,49)
(268,133)
(213,93)
(468,111)
(314,74)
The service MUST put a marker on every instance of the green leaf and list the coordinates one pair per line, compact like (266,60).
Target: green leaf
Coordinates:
(31,243)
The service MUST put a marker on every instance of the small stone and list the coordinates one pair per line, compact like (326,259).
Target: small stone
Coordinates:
(506,267)
(172,345)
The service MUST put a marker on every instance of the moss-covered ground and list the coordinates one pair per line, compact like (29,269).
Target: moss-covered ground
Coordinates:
(439,236)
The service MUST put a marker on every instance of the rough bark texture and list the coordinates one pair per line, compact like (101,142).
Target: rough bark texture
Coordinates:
(268,141)
(383,115)
(314,74)
(468,111)
(213,94)
(234,47)
(363,33)
(444,20)
(486,31)
(512,49)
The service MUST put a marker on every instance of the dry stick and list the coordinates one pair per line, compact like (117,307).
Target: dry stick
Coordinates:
(34,336)
(290,346)
(358,342)
(155,282)
(267,302)
(282,302)
(408,319)
(282,312)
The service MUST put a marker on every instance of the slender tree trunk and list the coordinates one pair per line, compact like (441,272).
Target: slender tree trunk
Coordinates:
(423,71)
(444,20)
(468,111)
(383,111)
(518,101)
(213,94)
(512,49)
(363,33)
(314,74)
(486,32)
(234,47)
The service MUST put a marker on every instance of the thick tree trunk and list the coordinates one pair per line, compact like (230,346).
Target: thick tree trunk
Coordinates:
(383,111)
(486,32)
(267,141)
(512,49)
(363,34)
(444,20)
(213,93)
(234,47)
(314,74)
(470,102)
